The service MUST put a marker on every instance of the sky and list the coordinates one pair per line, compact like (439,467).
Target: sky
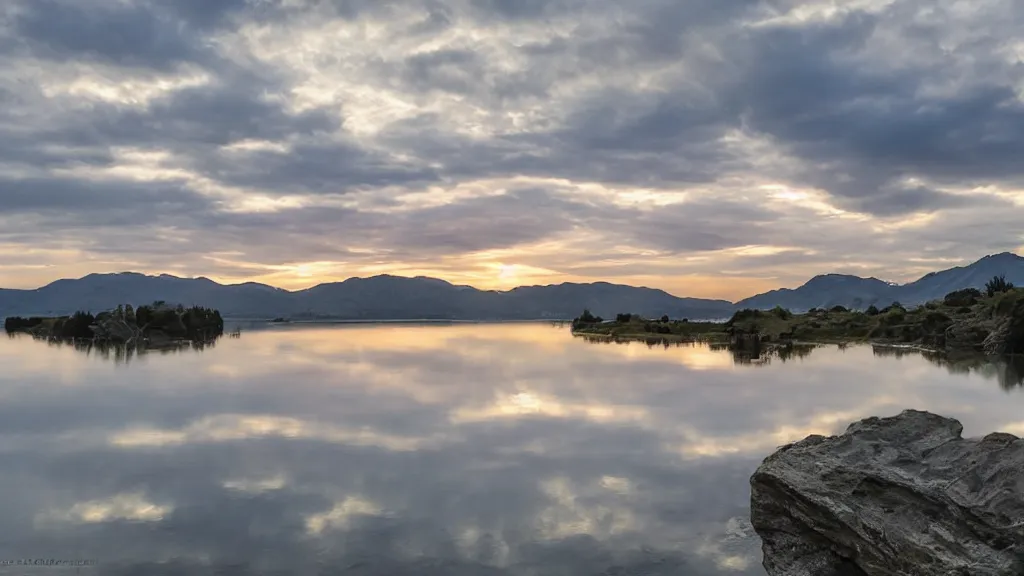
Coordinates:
(713,148)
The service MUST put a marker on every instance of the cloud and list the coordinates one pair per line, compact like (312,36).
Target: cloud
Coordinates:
(322,166)
(861,123)
(525,455)
(562,135)
(82,200)
(125,34)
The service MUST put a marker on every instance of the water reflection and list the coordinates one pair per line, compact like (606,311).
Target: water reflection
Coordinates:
(481,449)
(1007,370)
(758,354)
(123,354)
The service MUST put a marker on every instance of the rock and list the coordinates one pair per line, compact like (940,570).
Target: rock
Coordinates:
(899,496)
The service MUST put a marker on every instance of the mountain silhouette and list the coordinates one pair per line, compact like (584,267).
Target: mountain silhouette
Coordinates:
(399,298)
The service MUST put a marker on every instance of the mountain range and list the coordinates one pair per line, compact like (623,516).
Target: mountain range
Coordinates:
(399,298)
(855,292)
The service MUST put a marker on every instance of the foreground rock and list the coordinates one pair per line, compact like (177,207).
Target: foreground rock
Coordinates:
(905,495)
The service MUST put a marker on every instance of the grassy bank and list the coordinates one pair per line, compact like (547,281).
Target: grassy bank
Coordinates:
(965,320)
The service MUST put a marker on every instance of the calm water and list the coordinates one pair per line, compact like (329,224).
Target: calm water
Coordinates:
(404,450)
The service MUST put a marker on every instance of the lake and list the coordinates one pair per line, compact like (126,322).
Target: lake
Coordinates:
(493,449)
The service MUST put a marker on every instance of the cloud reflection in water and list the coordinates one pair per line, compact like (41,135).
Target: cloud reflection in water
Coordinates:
(469,449)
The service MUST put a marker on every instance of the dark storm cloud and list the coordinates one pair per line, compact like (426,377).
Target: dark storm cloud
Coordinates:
(661,146)
(516,8)
(127,34)
(207,14)
(192,120)
(910,200)
(330,167)
(859,124)
(79,199)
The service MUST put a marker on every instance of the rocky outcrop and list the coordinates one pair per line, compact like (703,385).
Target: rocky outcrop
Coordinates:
(899,496)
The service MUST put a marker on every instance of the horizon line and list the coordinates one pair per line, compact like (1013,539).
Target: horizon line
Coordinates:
(433,278)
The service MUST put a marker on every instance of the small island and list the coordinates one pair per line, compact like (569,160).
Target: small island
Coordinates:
(155,325)
(990,322)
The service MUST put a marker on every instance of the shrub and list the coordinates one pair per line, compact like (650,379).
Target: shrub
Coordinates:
(782,313)
(1008,302)
(665,318)
(893,306)
(936,319)
(872,310)
(623,318)
(77,326)
(894,316)
(16,323)
(997,284)
(965,297)
(838,309)
(745,314)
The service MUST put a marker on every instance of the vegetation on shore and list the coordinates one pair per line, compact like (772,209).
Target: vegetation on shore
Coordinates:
(634,327)
(969,320)
(155,324)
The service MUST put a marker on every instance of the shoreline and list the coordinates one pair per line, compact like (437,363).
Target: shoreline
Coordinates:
(964,322)
(677,339)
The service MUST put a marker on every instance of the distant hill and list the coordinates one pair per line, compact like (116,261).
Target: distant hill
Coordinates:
(856,292)
(98,292)
(400,298)
(938,284)
(376,298)
(825,292)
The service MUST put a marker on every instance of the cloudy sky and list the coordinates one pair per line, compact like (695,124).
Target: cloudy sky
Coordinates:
(708,147)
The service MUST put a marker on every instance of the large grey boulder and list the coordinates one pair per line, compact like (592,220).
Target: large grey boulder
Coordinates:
(905,495)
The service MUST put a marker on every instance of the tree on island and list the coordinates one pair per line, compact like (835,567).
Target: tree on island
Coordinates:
(126,325)
(586,319)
